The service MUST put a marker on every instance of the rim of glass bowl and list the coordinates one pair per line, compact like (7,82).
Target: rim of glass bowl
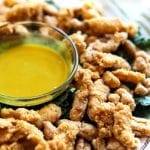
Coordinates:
(72,73)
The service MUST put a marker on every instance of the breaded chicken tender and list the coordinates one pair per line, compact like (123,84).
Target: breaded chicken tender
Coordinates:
(29,11)
(21,114)
(19,130)
(109,45)
(13,146)
(50,112)
(88,131)
(126,98)
(141,90)
(83,79)
(129,47)
(140,126)
(142,63)
(102,114)
(104,60)
(113,144)
(81,144)
(122,126)
(79,104)
(65,135)
(111,80)
(48,130)
(129,76)
(99,91)
(114,98)
(102,25)
(99,144)
(79,40)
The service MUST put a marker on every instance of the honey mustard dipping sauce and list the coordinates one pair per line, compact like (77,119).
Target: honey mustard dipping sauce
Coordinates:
(30,70)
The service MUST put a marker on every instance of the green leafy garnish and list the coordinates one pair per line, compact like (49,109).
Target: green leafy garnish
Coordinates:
(141,41)
(144,101)
(51,2)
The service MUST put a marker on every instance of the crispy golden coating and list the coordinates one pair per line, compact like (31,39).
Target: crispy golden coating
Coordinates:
(102,114)
(130,48)
(79,41)
(29,11)
(99,144)
(49,130)
(65,135)
(81,144)
(129,76)
(103,25)
(126,98)
(13,146)
(79,104)
(113,144)
(114,98)
(21,114)
(87,11)
(17,130)
(142,62)
(122,126)
(140,126)
(99,91)
(141,90)
(67,22)
(83,77)
(88,131)
(103,60)
(110,43)
(50,112)
(111,80)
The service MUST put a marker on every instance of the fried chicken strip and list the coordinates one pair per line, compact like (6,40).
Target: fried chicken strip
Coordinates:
(21,114)
(99,144)
(126,98)
(50,112)
(88,131)
(81,144)
(79,104)
(102,25)
(129,76)
(30,11)
(14,130)
(49,130)
(113,144)
(122,126)
(140,126)
(104,60)
(79,40)
(83,78)
(65,136)
(111,80)
(109,45)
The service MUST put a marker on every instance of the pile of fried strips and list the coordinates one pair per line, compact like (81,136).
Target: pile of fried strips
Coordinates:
(102,82)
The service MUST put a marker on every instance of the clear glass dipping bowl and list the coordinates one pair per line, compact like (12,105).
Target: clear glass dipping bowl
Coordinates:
(39,33)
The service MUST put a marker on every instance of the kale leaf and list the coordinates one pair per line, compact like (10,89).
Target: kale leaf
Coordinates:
(51,2)
(144,101)
(141,42)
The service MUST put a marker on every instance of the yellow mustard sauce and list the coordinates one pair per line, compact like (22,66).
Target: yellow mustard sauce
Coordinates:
(30,70)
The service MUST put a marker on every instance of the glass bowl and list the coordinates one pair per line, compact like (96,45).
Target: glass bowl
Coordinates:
(39,33)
